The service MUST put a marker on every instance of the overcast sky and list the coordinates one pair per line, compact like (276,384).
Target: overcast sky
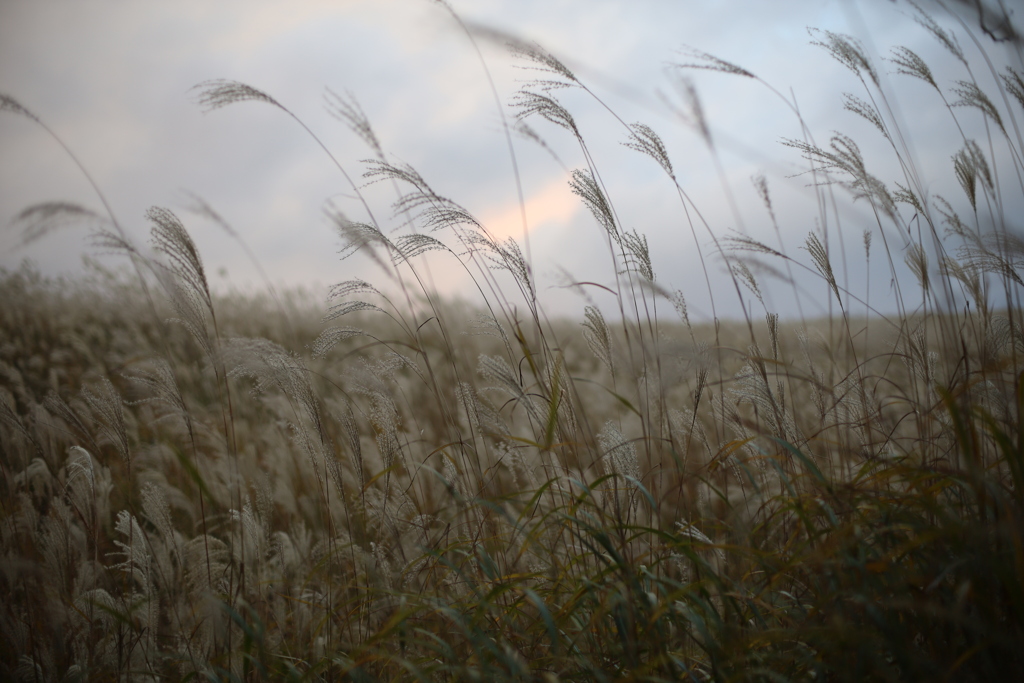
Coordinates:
(113,80)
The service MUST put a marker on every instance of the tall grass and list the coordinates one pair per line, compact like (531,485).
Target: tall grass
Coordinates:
(203,488)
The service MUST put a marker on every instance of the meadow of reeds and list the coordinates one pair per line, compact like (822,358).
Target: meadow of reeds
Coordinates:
(200,487)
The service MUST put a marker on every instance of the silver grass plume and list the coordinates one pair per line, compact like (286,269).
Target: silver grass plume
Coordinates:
(584,186)
(528,103)
(347,288)
(448,214)
(411,245)
(482,414)
(539,59)
(693,114)
(1001,253)
(708,62)
(451,476)
(741,271)
(331,337)
(821,261)
(908,63)
(908,196)
(916,259)
(751,385)
(136,562)
(866,111)
(59,541)
(11,105)
(689,531)
(158,512)
(969,276)
(270,365)
(946,39)
(913,351)
(972,96)
(37,481)
(853,409)
(60,408)
(338,310)
(466,397)
(686,425)
(818,388)
(506,255)
(214,94)
(254,531)
(844,156)
(618,454)
(158,377)
(772,320)
(679,304)
(107,408)
(954,226)
(206,562)
(39,220)
(9,417)
(419,198)
(638,253)
(80,485)
(495,370)
(170,238)
(189,290)
(346,109)
(969,165)
(487,324)
(1014,83)
(598,336)
(358,237)
(1002,333)
(761,186)
(29,670)
(643,139)
(559,389)
(847,51)
(384,418)
(105,241)
(352,439)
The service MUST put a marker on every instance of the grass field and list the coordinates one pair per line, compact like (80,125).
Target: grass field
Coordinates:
(391,486)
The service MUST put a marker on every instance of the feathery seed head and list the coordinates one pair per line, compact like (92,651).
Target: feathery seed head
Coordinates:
(9,104)
(709,62)
(598,336)
(909,63)
(946,38)
(643,139)
(847,51)
(972,96)
(346,109)
(214,94)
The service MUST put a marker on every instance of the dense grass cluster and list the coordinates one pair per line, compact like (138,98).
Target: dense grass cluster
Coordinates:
(225,489)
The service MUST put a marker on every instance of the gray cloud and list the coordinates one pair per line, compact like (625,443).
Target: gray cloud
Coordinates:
(112,79)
